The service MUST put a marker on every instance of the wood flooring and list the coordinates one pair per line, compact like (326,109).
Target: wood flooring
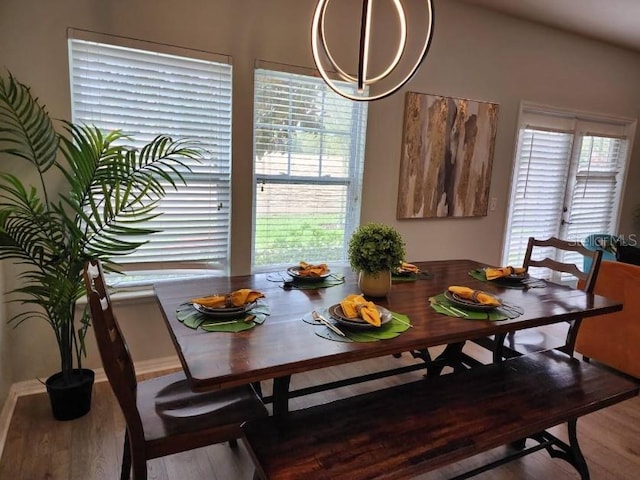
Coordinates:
(90,448)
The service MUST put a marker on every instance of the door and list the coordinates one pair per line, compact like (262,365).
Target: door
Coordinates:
(567,180)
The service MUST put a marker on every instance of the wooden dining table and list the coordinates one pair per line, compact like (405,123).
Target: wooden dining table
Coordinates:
(285,345)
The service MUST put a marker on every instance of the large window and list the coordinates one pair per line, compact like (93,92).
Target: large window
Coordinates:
(567,180)
(145,91)
(308,149)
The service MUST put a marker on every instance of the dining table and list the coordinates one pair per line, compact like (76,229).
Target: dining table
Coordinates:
(286,343)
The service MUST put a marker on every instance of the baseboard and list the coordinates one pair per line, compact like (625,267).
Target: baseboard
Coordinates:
(32,387)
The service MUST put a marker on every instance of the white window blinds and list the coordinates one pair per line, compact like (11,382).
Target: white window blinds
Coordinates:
(538,190)
(309,150)
(593,195)
(567,181)
(145,93)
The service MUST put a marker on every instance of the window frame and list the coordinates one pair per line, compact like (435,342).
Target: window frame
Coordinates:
(143,273)
(352,181)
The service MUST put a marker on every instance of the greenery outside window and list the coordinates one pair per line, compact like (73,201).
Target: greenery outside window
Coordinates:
(308,158)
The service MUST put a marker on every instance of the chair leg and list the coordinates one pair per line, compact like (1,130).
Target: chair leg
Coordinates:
(498,348)
(139,467)
(233,443)
(132,459)
(572,336)
(257,387)
(125,472)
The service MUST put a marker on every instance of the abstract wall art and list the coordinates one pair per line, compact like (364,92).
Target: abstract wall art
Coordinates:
(447,155)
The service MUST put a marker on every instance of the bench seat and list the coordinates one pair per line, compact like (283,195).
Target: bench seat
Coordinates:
(406,430)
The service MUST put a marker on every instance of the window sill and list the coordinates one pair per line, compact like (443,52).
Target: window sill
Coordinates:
(140,287)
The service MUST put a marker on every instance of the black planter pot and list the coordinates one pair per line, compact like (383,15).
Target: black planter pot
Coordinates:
(72,400)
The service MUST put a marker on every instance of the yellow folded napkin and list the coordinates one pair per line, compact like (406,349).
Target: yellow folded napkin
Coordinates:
(475,295)
(408,268)
(309,270)
(236,298)
(493,273)
(355,306)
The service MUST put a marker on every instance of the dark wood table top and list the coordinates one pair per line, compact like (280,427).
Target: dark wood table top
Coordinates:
(286,345)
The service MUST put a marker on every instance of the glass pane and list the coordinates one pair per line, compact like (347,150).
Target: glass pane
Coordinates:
(308,145)
(536,206)
(144,94)
(300,222)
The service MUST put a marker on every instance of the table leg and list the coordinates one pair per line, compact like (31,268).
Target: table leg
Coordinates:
(451,356)
(281,396)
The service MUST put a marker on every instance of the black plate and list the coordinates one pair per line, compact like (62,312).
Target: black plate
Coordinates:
(229,312)
(295,273)
(469,304)
(336,313)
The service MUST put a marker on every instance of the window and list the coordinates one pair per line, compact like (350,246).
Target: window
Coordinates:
(308,154)
(567,180)
(145,91)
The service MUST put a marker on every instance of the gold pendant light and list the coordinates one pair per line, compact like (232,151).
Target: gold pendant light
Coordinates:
(322,55)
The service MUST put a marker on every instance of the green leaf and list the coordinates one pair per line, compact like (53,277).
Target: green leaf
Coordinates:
(111,191)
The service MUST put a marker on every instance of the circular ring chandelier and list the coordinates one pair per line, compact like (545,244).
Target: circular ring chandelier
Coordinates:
(319,48)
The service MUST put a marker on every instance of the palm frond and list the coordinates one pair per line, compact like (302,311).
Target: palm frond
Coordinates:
(111,191)
(27,231)
(26,130)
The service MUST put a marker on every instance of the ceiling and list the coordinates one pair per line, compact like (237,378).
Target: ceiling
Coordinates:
(613,21)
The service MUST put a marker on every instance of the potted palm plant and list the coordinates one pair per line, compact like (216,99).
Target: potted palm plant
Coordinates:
(107,191)
(374,251)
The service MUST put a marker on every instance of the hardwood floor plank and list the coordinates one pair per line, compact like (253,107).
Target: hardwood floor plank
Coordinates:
(15,443)
(94,437)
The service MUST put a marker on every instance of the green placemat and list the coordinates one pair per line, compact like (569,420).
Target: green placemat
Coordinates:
(191,318)
(480,274)
(442,305)
(289,283)
(411,277)
(398,324)
(313,285)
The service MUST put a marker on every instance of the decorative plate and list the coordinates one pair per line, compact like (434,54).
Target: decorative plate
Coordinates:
(336,313)
(469,304)
(228,312)
(401,272)
(513,278)
(295,273)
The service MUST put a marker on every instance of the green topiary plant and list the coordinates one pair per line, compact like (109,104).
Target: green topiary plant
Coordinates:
(375,247)
(107,191)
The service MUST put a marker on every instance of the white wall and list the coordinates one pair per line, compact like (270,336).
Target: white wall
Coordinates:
(475,54)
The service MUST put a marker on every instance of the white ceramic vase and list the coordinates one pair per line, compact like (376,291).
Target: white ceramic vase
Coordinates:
(375,285)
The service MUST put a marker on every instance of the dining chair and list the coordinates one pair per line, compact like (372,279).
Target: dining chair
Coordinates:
(162,415)
(515,343)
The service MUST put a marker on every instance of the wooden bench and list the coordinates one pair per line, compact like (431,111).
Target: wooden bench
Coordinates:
(406,430)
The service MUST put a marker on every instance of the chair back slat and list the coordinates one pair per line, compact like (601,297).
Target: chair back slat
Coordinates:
(588,277)
(114,352)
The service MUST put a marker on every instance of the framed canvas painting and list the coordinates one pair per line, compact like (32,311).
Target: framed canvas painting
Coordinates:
(447,155)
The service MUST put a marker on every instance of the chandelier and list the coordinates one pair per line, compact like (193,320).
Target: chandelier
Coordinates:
(323,58)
